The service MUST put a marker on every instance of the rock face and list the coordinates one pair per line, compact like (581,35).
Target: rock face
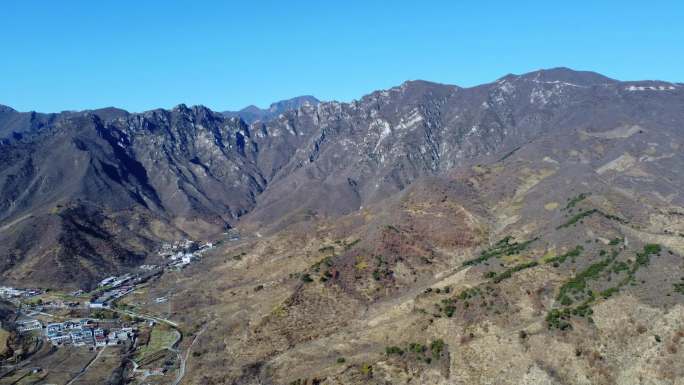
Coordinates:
(253,113)
(83,194)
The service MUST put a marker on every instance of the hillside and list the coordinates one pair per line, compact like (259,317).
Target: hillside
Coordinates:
(558,263)
(524,231)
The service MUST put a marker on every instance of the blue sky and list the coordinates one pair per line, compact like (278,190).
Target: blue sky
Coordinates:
(139,55)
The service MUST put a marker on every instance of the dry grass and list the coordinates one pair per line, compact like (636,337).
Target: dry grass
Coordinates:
(161,338)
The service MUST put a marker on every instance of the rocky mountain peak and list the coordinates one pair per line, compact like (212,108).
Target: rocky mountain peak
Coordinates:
(6,109)
(253,113)
(562,75)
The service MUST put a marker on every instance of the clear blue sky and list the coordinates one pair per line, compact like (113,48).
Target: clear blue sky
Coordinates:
(138,55)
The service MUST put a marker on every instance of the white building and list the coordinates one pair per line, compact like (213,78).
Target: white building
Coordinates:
(82,337)
(53,329)
(60,338)
(96,305)
(28,325)
(10,292)
(107,281)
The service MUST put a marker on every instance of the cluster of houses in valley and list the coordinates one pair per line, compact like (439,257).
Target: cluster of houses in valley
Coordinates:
(28,325)
(183,253)
(113,288)
(86,332)
(178,255)
(82,332)
(7,292)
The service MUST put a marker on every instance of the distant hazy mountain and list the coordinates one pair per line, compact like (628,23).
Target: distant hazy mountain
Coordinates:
(253,113)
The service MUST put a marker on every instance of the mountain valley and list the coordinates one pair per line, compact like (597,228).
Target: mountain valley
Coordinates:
(524,231)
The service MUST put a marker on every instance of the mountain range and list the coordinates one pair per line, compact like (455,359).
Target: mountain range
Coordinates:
(95,191)
(525,231)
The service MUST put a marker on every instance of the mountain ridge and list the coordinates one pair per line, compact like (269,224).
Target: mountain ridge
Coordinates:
(193,171)
(252,113)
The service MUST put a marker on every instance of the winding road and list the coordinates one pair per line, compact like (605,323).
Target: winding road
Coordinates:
(146,317)
(184,360)
(85,369)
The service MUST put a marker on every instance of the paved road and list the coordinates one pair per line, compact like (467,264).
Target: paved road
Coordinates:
(179,335)
(184,360)
(147,317)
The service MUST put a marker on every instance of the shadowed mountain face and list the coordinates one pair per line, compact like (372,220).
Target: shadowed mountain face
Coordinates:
(84,194)
(253,113)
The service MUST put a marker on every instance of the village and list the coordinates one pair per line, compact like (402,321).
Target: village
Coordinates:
(79,332)
(36,311)
(120,316)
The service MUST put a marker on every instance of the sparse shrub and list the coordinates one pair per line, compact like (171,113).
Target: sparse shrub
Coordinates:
(575,200)
(367,369)
(574,253)
(327,248)
(509,273)
(643,258)
(652,248)
(615,241)
(579,282)
(389,350)
(583,310)
(565,301)
(558,319)
(306,278)
(469,293)
(436,347)
(620,266)
(351,244)
(679,288)
(501,248)
(417,348)
(577,218)
(609,292)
